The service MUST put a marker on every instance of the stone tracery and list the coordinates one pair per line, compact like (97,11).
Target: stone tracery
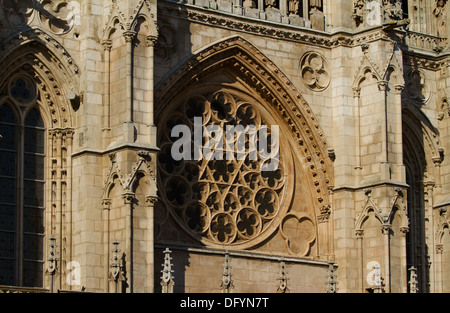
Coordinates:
(220,201)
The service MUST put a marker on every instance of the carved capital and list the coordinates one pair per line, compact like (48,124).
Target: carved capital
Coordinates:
(386,228)
(151,41)
(399,89)
(128,197)
(356,92)
(359,233)
(106,204)
(107,44)
(404,231)
(151,200)
(112,157)
(382,84)
(129,36)
(144,155)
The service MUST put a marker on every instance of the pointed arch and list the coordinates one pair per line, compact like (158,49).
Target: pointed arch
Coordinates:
(233,71)
(249,64)
(369,206)
(421,141)
(365,69)
(38,55)
(142,20)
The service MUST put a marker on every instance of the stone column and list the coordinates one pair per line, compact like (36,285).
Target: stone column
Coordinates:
(386,229)
(360,243)
(107,45)
(429,228)
(151,203)
(129,127)
(150,52)
(129,200)
(439,250)
(403,256)
(106,207)
(356,101)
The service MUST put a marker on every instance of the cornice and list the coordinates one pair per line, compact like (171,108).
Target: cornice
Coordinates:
(322,39)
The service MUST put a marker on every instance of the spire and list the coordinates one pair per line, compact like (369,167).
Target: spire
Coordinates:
(227,283)
(167,282)
(413,288)
(116,272)
(283,279)
(332,282)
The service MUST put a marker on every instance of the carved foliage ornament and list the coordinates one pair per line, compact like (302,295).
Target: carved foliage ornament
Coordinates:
(221,202)
(58,16)
(314,71)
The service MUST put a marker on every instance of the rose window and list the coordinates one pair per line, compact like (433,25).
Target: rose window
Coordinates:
(227,200)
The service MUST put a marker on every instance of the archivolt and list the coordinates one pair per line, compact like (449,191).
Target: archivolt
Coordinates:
(40,56)
(421,141)
(258,72)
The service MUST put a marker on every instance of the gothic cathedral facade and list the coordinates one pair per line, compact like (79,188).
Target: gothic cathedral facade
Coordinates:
(351,95)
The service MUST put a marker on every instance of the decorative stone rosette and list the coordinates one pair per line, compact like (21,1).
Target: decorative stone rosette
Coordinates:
(314,71)
(222,202)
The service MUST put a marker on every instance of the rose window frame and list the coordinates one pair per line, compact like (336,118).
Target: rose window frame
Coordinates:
(223,202)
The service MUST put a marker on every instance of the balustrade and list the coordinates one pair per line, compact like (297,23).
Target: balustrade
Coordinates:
(303,13)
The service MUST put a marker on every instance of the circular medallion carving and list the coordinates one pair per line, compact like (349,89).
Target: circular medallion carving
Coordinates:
(228,200)
(314,71)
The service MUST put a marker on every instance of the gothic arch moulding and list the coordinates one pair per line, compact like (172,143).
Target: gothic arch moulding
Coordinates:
(385,216)
(142,168)
(389,69)
(140,20)
(51,68)
(233,81)
(421,143)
